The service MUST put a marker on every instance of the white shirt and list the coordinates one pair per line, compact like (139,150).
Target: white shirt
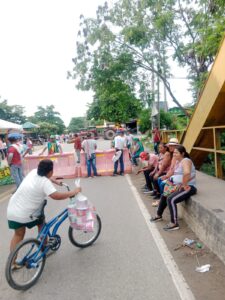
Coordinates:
(119,142)
(129,139)
(28,197)
(89,146)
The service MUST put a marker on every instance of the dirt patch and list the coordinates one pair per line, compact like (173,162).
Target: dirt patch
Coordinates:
(209,285)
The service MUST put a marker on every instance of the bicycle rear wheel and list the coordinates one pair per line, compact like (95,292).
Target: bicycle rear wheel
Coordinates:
(83,239)
(27,269)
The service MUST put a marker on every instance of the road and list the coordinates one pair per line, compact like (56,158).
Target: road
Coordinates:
(124,263)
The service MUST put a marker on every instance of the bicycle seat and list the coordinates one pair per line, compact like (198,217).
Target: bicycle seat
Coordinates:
(39,213)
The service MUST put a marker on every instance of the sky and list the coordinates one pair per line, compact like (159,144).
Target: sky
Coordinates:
(37,44)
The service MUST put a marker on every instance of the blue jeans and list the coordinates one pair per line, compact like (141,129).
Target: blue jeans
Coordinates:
(91,163)
(121,164)
(161,184)
(156,145)
(134,158)
(17,174)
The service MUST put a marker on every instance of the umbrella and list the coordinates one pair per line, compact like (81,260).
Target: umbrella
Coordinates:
(29,125)
(5,125)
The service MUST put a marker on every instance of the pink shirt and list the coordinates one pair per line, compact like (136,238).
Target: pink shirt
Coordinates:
(153,160)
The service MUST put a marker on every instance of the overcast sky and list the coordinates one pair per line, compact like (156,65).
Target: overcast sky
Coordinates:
(37,44)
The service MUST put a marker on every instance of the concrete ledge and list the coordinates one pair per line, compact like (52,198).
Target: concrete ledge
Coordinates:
(205,213)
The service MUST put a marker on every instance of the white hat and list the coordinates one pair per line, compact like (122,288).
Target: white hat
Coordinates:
(173,141)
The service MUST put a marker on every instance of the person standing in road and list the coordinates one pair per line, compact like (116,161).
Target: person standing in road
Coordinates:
(77,145)
(14,158)
(119,145)
(89,146)
(156,139)
(53,146)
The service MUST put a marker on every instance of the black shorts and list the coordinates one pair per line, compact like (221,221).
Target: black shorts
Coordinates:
(17,225)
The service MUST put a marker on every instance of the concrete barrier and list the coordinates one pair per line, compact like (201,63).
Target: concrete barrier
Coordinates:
(104,163)
(64,164)
(205,213)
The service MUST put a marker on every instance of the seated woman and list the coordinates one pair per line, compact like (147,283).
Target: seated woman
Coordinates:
(184,176)
(138,148)
(164,161)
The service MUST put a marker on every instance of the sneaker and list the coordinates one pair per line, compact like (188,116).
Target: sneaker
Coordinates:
(16,266)
(121,174)
(98,175)
(157,196)
(156,219)
(114,174)
(153,193)
(144,187)
(147,192)
(171,227)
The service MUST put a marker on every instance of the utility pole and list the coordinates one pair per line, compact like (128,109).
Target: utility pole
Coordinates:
(158,98)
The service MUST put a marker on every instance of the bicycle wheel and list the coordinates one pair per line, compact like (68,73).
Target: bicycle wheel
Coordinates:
(28,269)
(83,239)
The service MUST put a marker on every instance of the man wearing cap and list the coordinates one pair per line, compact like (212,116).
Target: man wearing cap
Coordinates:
(14,159)
(119,144)
(149,170)
(53,146)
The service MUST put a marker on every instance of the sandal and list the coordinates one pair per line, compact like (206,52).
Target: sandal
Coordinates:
(155,203)
(156,219)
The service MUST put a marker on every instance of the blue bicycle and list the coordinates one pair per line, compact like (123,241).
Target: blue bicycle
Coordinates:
(30,254)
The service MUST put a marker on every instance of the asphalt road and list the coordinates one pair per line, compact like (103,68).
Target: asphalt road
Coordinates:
(124,263)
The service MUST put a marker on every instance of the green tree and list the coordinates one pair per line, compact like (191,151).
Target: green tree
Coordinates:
(76,124)
(47,128)
(48,115)
(12,113)
(148,32)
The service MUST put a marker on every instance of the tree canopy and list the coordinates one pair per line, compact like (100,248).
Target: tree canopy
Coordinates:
(12,113)
(134,40)
(48,115)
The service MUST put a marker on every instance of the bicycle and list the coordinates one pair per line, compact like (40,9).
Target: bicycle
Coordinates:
(30,254)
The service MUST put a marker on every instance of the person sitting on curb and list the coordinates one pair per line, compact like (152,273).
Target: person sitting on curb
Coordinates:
(53,146)
(28,198)
(163,167)
(149,170)
(185,179)
(138,148)
(173,142)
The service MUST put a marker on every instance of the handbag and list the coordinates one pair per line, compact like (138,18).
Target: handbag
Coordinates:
(170,188)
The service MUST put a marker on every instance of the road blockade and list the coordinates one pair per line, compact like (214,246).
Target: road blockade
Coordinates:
(104,163)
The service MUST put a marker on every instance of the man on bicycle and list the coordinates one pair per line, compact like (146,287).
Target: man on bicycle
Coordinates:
(28,198)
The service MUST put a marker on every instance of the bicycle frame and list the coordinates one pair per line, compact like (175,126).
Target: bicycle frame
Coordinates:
(43,234)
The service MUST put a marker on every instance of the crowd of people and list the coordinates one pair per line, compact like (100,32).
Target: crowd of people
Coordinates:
(169,173)
(170,178)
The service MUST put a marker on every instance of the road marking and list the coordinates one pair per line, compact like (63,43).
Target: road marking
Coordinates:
(6,197)
(180,283)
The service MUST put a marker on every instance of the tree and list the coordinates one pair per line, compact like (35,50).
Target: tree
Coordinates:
(12,113)
(147,31)
(76,124)
(48,115)
(47,128)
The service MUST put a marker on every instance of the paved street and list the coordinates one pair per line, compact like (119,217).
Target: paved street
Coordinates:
(124,263)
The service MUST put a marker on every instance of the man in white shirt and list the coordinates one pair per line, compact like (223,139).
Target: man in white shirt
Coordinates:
(119,144)
(29,197)
(89,146)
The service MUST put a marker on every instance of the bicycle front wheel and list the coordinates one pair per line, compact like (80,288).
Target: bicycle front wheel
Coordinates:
(25,264)
(82,238)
